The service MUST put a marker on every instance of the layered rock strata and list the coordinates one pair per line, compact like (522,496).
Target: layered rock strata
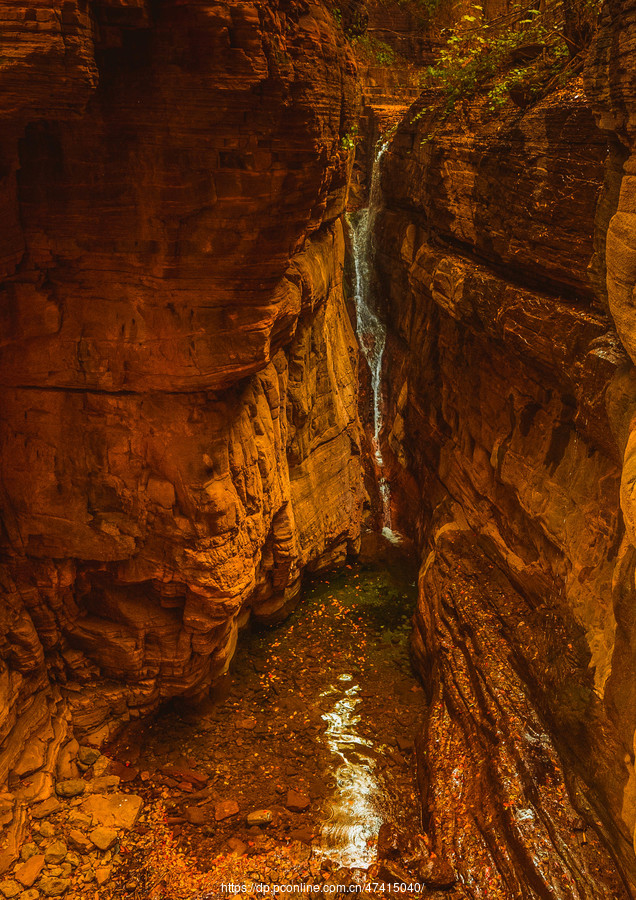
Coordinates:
(179,418)
(501,359)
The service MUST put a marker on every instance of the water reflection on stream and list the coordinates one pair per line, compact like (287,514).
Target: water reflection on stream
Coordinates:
(353,819)
(325,704)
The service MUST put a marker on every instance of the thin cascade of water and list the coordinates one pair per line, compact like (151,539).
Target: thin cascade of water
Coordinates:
(370,329)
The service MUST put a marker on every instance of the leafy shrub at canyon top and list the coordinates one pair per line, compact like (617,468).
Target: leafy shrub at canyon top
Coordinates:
(520,55)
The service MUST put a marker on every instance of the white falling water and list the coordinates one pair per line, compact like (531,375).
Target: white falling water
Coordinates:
(371,331)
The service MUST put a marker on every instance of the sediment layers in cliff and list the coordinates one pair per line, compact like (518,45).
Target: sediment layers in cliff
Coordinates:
(178,373)
(506,406)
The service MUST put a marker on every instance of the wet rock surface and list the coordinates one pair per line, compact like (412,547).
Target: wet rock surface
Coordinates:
(508,405)
(307,742)
(303,770)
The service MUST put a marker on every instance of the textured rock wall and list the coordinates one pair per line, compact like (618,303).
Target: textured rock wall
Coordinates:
(611,86)
(178,419)
(501,359)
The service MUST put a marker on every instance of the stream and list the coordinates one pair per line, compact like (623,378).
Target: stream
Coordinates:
(322,709)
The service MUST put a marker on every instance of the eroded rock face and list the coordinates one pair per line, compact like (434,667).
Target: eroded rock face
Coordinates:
(490,254)
(179,420)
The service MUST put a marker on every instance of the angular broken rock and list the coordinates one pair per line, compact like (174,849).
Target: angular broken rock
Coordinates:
(248,724)
(78,818)
(87,756)
(113,810)
(390,870)
(260,817)
(296,801)
(29,871)
(405,745)
(71,788)
(53,886)
(46,808)
(79,841)
(197,815)
(237,846)
(29,850)
(225,809)
(10,888)
(103,783)
(103,837)
(102,874)
(185,773)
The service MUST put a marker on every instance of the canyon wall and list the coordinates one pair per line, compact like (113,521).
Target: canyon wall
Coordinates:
(509,397)
(178,423)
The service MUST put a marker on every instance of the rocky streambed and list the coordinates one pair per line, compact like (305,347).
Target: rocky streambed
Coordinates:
(286,776)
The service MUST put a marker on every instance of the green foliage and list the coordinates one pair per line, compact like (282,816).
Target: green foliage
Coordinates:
(336,12)
(375,50)
(522,51)
(348,141)
(499,94)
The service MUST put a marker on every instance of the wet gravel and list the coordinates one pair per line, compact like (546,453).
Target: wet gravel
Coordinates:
(324,707)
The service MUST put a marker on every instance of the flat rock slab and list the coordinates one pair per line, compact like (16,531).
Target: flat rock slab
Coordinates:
(225,809)
(46,808)
(103,783)
(113,810)
(28,872)
(198,815)
(304,835)
(297,802)
(124,771)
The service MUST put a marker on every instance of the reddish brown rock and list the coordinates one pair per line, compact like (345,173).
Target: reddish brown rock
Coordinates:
(178,371)
(28,872)
(505,466)
(225,809)
(296,801)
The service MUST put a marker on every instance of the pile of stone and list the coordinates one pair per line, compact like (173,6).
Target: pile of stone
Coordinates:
(73,844)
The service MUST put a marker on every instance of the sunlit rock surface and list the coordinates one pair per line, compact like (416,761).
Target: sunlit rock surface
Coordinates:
(491,258)
(178,422)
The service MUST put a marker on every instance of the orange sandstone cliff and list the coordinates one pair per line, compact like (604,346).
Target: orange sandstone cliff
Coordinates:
(178,414)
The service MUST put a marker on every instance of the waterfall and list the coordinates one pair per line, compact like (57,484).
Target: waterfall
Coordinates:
(370,329)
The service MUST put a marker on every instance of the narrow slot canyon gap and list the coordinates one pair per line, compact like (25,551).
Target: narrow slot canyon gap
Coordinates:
(317,448)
